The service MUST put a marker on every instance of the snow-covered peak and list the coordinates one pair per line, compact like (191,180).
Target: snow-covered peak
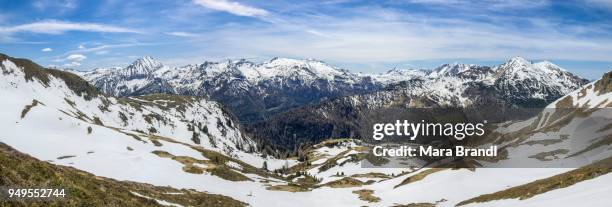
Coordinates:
(308,68)
(396,71)
(518,61)
(147,61)
(542,80)
(451,69)
(514,65)
(142,66)
(549,66)
(397,75)
(519,68)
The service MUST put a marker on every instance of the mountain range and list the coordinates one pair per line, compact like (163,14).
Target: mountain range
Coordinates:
(255,92)
(517,83)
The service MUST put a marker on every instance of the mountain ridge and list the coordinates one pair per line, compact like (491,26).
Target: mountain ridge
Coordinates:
(473,87)
(257,91)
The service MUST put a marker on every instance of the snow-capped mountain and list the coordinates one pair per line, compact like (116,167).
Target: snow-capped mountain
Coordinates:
(514,84)
(256,91)
(397,75)
(136,79)
(517,81)
(65,101)
(252,91)
(522,81)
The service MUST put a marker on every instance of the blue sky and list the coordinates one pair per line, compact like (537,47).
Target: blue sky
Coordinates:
(367,36)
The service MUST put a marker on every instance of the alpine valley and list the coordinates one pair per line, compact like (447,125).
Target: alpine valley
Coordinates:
(285,133)
(288,102)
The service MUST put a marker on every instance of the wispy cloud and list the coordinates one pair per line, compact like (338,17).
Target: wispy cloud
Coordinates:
(101,52)
(76,57)
(232,7)
(182,34)
(386,35)
(59,27)
(106,47)
(46,49)
(72,64)
(70,61)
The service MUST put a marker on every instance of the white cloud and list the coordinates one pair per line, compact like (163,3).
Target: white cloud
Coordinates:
(387,36)
(76,57)
(72,64)
(81,46)
(46,49)
(59,27)
(73,60)
(232,7)
(107,47)
(182,34)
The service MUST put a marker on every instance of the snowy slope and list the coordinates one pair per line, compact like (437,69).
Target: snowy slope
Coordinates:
(76,121)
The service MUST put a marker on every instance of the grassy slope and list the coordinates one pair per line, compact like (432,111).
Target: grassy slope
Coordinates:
(547,184)
(84,189)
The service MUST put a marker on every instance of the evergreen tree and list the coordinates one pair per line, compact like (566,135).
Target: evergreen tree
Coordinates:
(265,166)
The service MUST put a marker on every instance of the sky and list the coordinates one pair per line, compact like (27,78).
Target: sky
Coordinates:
(362,36)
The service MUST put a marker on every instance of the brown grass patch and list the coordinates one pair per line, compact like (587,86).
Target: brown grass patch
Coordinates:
(27,108)
(420,176)
(372,175)
(163,154)
(346,182)
(289,188)
(367,195)
(193,169)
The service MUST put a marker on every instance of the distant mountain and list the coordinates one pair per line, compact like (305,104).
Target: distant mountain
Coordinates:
(136,79)
(516,83)
(538,84)
(257,91)
(252,91)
